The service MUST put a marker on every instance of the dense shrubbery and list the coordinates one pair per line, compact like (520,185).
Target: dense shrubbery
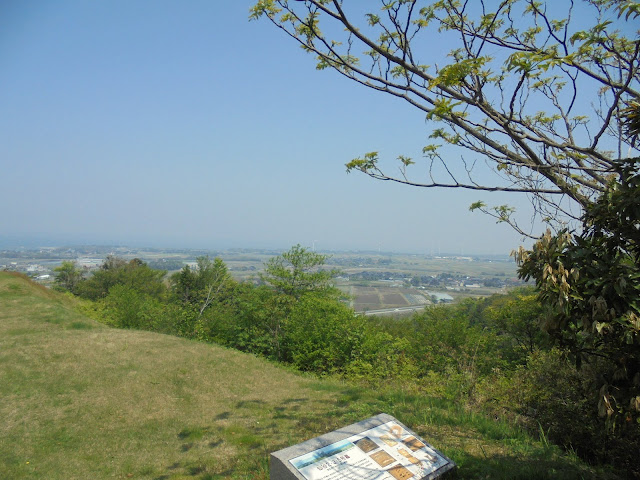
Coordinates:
(591,280)
(487,354)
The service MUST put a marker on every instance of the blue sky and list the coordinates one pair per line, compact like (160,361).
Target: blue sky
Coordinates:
(182,124)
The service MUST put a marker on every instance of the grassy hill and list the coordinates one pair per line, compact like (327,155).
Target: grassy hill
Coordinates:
(79,400)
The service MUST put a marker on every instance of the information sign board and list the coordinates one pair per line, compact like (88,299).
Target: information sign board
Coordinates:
(380,448)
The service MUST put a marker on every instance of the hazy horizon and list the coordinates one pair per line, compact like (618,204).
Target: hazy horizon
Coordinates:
(14,243)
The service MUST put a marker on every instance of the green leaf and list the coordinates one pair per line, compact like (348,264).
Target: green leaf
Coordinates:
(477,205)
(406,161)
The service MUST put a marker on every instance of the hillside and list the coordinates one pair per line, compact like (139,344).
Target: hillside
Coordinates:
(80,400)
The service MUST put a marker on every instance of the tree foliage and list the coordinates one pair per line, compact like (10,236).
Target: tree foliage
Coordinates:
(134,274)
(299,271)
(323,334)
(592,282)
(199,287)
(535,89)
(68,275)
(517,317)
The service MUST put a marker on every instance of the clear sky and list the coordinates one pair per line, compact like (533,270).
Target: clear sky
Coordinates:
(182,124)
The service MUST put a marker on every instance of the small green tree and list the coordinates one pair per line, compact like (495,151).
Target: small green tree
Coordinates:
(68,275)
(323,335)
(126,307)
(253,321)
(201,286)
(292,275)
(444,340)
(299,271)
(184,285)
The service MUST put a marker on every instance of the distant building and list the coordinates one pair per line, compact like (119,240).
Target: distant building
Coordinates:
(441,297)
(89,262)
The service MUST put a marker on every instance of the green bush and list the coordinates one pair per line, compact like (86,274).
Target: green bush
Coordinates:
(381,355)
(322,334)
(126,307)
(517,318)
(550,397)
(444,340)
(251,322)
(547,393)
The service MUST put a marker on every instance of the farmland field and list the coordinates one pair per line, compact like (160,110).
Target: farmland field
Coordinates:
(374,298)
(364,299)
(404,281)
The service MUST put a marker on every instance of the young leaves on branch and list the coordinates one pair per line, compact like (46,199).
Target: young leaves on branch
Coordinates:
(530,87)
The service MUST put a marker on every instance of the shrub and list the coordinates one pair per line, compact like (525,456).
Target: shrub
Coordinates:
(381,355)
(322,334)
(126,307)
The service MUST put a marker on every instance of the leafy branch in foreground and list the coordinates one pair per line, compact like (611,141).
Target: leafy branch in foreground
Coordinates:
(528,87)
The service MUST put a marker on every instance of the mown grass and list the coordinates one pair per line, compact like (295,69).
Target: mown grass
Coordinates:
(80,400)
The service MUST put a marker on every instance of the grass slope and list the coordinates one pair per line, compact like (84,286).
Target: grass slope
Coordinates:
(80,400)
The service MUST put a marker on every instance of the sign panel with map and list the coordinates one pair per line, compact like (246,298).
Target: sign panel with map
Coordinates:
(386,452)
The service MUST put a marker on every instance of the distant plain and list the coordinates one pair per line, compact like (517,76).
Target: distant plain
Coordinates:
(371,281)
